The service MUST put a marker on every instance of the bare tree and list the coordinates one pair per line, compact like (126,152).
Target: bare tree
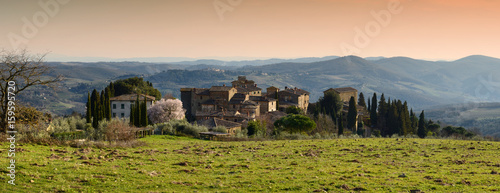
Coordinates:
(26,70)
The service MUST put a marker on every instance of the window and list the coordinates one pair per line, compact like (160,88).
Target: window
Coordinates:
(123,106)
(114,114)
(114,106)
(123,114)
(201,97)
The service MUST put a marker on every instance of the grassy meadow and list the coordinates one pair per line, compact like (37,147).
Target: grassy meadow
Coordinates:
(180,164)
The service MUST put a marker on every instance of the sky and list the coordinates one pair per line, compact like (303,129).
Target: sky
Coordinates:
(424,29)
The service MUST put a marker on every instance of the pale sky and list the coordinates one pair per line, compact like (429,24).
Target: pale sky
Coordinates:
(425,29)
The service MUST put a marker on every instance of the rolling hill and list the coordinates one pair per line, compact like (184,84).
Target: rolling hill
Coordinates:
(422,83)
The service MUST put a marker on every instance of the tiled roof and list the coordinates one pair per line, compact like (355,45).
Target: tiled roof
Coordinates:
(132,97)
(261,98)
(220,88)
(248,88)
(214,122)
(295,91)
(343,89)
(202,91)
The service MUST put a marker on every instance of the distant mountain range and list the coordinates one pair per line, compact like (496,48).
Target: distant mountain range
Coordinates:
(424,84)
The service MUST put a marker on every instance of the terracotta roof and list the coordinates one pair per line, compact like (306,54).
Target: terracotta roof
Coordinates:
(343,89)
(132,97)
(220,88)
(202,91)
(295,91)
(261,98)
(248,88)
(214,122)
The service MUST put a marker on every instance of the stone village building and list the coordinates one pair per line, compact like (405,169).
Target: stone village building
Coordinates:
(242,101)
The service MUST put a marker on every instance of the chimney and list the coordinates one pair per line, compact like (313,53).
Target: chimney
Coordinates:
(224,85)
(255,85)
(286,87)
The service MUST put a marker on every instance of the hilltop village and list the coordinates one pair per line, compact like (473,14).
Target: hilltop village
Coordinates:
(244,101)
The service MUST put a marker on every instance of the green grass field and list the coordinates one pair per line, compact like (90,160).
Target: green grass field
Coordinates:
(179,164)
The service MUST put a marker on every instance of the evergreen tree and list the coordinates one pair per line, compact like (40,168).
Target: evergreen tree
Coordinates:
(341,127)
(361,100)
(369,106)
(144,113)
(89,109)
(373,112)
(137,116)
(111,89)
(414,122)
(391,120)
(406,125)
(107,105)
(331,103)
(422,131)
(103,106)
(95,103)
(351,115)
(132,115)
(382,115)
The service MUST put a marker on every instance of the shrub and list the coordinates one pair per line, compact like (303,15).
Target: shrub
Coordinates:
(256,128)
(72,135)
(119,130)
(295,123)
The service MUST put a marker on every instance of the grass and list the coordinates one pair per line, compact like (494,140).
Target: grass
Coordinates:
(180,164)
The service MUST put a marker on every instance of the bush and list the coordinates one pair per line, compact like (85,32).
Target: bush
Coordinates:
(256,128)
(119,130)
(72,135)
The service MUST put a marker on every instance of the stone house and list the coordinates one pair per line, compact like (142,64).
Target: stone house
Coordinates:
(121,105)
(290,97)
(211,123)
(345,93)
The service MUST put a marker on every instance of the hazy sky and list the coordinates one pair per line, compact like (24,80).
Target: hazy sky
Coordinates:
(426,29)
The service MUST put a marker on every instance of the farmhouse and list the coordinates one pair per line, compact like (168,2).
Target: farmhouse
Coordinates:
(345,93)
(121,105)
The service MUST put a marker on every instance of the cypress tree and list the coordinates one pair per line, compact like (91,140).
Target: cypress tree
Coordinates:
(406,120)
(422,131)
(103,105)
(382,115)
(414,122)
(137,116)
(341,127)
(89,109)
(351,115)
(132,115)
(107,106)
(373,112)
(93,102)
(112,89)
(361,100)
(144,113)
(369,106)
